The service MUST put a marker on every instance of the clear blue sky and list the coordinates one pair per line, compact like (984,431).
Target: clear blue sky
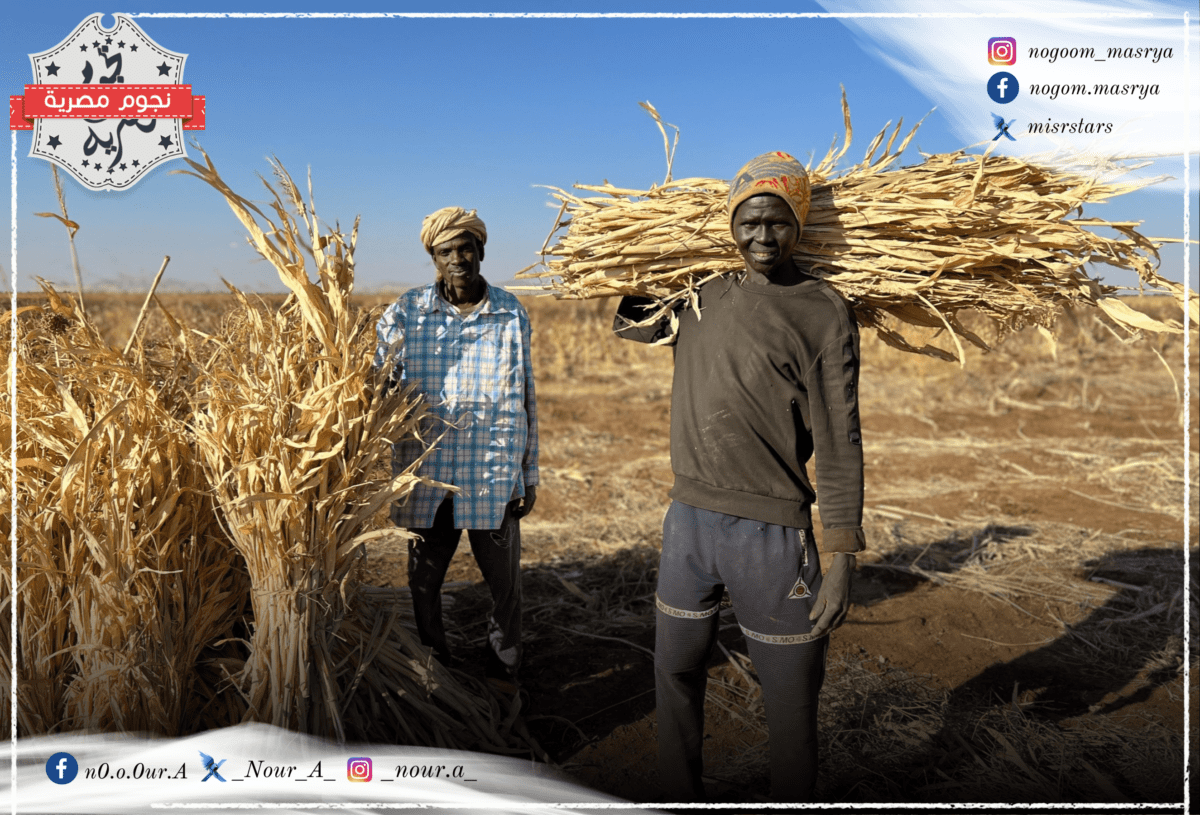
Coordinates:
(397,117)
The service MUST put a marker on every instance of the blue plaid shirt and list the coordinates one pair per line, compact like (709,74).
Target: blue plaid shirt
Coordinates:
(475,373)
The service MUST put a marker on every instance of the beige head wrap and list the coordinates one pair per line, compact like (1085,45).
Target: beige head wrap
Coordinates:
(448,223)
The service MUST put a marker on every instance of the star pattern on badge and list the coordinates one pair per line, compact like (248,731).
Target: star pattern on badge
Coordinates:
(107,138)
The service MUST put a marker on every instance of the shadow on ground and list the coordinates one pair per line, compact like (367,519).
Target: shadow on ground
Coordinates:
(1046,726)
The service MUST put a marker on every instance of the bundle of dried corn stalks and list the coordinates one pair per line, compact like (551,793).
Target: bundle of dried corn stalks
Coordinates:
(917,244)
(125,578)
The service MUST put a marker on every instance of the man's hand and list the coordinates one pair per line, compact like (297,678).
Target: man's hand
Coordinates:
(523,506)
(833,600)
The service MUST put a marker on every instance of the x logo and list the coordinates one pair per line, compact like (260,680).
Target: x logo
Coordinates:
(213,771)
(212,766)
(998,121)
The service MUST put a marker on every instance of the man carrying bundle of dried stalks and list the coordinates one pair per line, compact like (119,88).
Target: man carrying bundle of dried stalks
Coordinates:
(765,376)
(466,347)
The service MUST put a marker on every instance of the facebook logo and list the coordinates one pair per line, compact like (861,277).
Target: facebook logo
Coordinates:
(62,768)
(1003,87)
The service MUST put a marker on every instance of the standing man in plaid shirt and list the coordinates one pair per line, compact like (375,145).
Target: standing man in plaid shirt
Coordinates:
(465,344)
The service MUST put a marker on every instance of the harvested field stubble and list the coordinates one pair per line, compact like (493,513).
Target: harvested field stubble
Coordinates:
(893,736)
(971,527)
(1024,519)
(907,247)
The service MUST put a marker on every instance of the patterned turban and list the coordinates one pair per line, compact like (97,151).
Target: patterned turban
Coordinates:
(448,223)
(777,174)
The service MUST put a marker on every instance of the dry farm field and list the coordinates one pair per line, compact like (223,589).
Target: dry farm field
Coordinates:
(1016,633)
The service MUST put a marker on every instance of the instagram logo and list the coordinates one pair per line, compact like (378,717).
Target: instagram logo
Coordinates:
(1002,51)
(358,769)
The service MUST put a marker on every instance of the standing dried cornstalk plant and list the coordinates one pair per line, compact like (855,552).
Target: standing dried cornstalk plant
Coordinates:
(72,228)
(295,437)
(914,245)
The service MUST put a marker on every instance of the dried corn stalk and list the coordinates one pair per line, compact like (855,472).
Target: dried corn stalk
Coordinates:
(918,244)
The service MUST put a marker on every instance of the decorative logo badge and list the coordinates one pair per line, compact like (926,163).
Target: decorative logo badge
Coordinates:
(107,105)
(800,590)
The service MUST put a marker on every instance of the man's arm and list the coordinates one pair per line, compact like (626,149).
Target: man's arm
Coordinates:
(633,311)
(837,443)
(529,463)
(389,332)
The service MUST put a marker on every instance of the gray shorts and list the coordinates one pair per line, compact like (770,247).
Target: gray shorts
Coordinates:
(773,573)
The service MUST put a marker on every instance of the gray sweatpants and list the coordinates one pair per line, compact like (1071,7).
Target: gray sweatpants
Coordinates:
(773,574)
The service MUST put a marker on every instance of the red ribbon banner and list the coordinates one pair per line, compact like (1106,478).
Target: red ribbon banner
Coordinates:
(114,101)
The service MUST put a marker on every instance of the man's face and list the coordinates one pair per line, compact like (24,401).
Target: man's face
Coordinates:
(766,233)
(457,260)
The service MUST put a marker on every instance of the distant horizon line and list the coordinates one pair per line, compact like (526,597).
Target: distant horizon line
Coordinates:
(140,286)
(396,290)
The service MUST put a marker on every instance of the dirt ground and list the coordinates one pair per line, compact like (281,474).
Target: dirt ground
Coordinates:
(1017,624)
(1016,633)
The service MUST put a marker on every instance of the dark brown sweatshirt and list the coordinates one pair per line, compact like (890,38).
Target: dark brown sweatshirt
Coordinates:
(765,377)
